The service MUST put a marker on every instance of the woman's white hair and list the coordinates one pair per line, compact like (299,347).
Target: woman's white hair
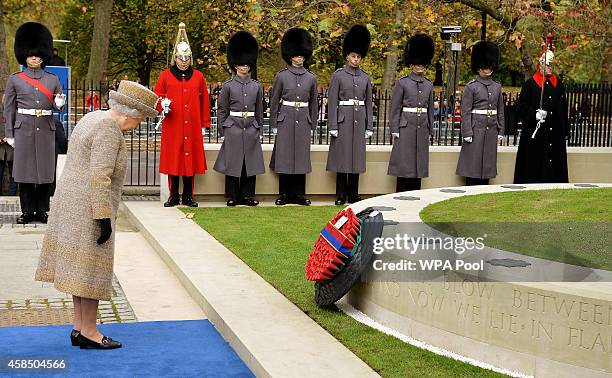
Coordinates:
(115,105)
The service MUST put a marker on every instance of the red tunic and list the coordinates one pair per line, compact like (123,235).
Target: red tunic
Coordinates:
(182,148)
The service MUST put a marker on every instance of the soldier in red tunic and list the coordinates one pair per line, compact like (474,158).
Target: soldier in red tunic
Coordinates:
(186,107)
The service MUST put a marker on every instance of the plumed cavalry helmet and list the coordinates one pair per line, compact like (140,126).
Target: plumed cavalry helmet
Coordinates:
(296,42)
(242,49)
(181,46)
(547,58)
(33,39)
(356,40)
(485,54)
(419,50)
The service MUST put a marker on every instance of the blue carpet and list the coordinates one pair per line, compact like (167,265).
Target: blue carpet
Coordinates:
(190,348)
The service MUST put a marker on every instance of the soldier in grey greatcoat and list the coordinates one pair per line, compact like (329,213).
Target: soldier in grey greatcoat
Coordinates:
(293,113)
(240,117)
(30,97)
(350,116)
(482,118)
(411,117)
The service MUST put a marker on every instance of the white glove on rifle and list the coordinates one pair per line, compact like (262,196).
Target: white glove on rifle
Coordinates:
(165,104)
(333,133)
(60,100)
(468,139)
(368,133)
(10,141)
(541,115)
(395,135)
(274,130)
(500,138)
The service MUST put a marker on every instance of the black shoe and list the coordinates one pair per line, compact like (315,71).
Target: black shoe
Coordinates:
(188,201)
(339,201)
(107,343)
(282,200)
(249,202)
(74,337)
(301,200)
(25,218)
(42,217)
(353,199)
(231,202)
(172,201)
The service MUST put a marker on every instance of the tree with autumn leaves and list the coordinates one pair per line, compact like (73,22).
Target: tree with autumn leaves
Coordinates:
(138,33)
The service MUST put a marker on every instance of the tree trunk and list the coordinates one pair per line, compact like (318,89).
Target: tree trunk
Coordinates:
(392,49)
(99,44)
(4,66)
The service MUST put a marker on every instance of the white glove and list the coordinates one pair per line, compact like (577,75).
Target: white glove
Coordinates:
(165,103)
(60,100)
(274,130)
(10,141)
(395,135)
(333,133)
(468,139)
(312,133)
(368,133)
(541,115)
(500,138)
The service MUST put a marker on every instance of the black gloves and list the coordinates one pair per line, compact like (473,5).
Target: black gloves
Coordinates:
(105,230)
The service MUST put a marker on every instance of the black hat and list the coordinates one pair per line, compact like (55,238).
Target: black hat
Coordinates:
(33,39)
(296,42)
(242,49)
(485,54)
(356,40)
(419,50)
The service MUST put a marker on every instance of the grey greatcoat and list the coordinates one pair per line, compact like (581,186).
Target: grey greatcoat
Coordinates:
(410,153)
(241,133)
(347,151)
(291,153)
(478,159)
(6,151)
(34,155)
(89,189)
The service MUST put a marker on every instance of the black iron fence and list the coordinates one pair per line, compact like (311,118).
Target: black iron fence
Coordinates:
(589,113)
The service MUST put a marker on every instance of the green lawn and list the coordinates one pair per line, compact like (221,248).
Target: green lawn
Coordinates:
(275,242)
(568,225)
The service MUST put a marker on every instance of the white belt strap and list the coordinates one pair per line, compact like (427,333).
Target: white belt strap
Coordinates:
(35,112)
(352,103)
(242,114)
(295,104)
(414,110)
(485,111)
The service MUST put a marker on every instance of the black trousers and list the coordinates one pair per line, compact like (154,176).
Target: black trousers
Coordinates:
(469,181)
(34,198)
(238,188)
(347,184)
(291,185)
(405,184)
(173,184)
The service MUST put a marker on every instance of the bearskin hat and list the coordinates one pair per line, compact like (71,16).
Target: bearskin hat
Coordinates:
(242,48)
(419,50)
(356,40)
(485,54)
(296,42)
(33,39)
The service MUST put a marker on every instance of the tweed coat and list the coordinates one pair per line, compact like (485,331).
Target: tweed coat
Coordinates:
(34,155)
(291,152)
(410,153)
(89,189)
(347,151)
(242,135)
(478,159)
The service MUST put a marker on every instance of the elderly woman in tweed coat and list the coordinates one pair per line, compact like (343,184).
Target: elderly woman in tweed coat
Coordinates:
(78,247)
